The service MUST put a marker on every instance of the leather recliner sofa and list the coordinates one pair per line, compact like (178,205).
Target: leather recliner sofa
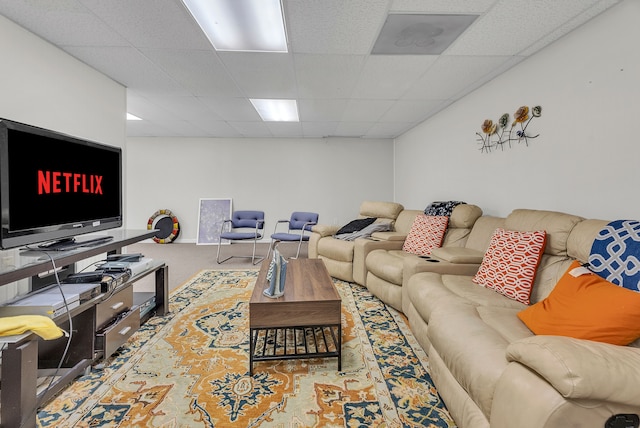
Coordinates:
(493,372)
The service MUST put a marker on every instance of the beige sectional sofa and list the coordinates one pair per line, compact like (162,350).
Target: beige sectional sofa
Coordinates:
(492,371)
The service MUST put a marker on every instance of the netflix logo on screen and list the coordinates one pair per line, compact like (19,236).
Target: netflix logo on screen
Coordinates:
(68,182)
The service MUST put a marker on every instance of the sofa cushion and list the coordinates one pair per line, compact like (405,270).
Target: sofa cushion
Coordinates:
(586,307)
(614,254)
(426,233)
(557,225)
(387,265)
(510,263)
(336,249)
(429,290)
(356,225)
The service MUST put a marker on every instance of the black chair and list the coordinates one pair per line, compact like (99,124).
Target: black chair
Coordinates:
(299,221)
(243,226)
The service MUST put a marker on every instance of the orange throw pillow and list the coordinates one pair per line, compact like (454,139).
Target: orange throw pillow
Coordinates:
(427,233)
(510,263)
(586,307)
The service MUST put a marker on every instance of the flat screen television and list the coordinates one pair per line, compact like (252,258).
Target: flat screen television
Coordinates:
(54,187)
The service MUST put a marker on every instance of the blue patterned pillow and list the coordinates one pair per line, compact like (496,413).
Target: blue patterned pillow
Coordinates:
(615,254)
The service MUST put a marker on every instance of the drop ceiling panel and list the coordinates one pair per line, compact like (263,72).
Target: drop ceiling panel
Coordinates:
(442,6)
(200,72)
(285,129)
(327,76)
(334,26)
(161,24)
(389,76)
(358,110)
(388,129)
(61,21)
(232,109)
(450,73)
(315,110)
(185,107)
(501,32)
(251,129)
(319,129)
(410,111)
(140,73)
(353,129)
(262,75)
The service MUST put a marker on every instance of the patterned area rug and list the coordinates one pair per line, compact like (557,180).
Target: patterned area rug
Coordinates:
(191,369)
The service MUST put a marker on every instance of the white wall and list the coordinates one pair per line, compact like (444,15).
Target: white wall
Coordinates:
(585,161)
(42,86)
(278,176)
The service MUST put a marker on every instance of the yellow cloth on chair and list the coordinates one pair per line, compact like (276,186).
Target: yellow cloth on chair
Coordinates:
(39,324)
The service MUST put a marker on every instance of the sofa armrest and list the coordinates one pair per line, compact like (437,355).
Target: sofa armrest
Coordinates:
(390,236)
(325,229)
(458,254)
(582,369)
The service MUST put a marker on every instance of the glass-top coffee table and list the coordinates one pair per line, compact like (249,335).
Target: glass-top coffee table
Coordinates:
(305,322)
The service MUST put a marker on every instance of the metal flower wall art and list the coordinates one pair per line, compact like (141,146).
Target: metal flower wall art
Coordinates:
(497,135)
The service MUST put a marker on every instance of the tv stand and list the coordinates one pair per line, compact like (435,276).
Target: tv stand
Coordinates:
(25,356)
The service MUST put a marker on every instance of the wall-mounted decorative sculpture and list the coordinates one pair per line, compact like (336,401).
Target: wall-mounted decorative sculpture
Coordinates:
(496,135)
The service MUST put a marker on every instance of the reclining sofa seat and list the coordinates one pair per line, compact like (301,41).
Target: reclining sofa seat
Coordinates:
(337,254)
(492,371)
(385,267)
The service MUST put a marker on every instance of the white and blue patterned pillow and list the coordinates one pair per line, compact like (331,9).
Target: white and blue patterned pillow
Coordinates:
(615,254)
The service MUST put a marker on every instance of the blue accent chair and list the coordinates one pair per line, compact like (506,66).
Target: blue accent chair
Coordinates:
(243,226)
(300,222)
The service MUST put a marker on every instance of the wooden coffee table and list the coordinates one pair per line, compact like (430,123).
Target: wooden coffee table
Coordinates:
(303,323)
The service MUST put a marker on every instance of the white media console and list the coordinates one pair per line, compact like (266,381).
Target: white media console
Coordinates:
(26,357)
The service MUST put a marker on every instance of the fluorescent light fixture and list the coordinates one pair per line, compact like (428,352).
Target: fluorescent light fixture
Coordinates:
(241,25)
(132,117)
(276,110)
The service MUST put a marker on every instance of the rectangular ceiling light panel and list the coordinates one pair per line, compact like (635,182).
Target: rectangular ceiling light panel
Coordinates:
(241,25)
(276,110)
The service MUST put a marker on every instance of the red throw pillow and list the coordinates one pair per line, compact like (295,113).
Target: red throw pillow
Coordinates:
(586,307)
(510,263)
(427,233)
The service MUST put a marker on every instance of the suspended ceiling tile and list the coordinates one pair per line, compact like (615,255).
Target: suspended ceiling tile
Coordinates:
(285,129)
(217,128)
(161,24)
(334,26)
(321,110)
(389,76)
(318,129)
(388,129)
(353,129)
(232,109)
(61,21)
(364,110)
(251,129)
(511,26)
(441,6)
(140,73)
(200,72)
(262,75)
(410,110)
(450,73)
(327,76)
(184,107)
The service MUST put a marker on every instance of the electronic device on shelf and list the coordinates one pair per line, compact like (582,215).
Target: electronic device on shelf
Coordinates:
(128,258)
(54,186)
